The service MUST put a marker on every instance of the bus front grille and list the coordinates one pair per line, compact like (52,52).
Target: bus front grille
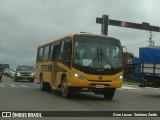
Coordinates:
(100,80)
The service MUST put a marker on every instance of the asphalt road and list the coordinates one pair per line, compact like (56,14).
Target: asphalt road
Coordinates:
(26,96)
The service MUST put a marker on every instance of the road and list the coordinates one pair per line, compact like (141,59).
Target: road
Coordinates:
(26,96)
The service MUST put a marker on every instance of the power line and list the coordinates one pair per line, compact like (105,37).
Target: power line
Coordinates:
(135,43)
(141,42)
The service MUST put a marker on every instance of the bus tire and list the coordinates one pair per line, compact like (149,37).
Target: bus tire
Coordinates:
(44,86)
(109,93)
(66,91)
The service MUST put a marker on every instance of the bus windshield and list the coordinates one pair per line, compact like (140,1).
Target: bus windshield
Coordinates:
(97,52)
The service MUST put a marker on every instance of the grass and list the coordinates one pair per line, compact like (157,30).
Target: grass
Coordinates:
(131,83)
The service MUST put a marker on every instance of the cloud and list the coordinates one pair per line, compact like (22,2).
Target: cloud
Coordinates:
(25,24)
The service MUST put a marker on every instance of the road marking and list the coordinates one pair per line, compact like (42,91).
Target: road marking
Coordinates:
(131,88)
(2,85)
(24,86)
(12,85)
(128,88)
(152,88)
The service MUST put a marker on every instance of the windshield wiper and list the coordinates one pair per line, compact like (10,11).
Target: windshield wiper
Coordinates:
(97,55)
(100,55)
(103,55)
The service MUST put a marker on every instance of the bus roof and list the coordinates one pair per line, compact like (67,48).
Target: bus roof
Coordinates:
(73,34)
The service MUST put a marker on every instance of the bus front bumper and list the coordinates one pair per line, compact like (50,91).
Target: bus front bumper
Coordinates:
(95,83)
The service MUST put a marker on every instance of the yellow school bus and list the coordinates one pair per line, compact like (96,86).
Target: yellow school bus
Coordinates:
(81,62)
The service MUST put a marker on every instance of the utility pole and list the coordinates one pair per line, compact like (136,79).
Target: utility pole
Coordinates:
(151,42)
(104,21)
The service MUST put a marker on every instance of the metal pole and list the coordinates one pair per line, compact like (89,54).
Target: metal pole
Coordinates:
(105,23)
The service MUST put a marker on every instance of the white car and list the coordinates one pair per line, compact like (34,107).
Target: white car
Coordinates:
(6,71)
(12,73)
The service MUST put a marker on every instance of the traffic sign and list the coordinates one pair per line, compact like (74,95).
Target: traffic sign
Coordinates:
(105,21)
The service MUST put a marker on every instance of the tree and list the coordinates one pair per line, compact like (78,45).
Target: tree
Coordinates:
(130,55)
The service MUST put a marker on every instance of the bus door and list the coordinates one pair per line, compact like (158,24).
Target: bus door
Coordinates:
(55,56)
(62,54)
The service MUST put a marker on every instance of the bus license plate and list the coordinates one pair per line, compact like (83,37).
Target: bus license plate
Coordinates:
(100,86)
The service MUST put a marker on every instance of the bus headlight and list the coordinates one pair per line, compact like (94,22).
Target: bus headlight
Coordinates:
(78,76)
(119,78)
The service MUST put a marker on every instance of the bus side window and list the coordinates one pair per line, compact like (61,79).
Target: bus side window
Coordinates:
(68,50)
(61,54)
(46,53)
(56,51)
(51,52)
(40,54)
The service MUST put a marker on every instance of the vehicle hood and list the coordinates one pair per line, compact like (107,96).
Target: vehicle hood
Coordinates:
(24,71)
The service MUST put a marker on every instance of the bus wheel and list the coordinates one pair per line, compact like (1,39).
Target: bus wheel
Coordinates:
(66,91)
(44,86)
(109,93)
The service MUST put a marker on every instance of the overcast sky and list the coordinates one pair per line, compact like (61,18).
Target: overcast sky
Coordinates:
(25,24)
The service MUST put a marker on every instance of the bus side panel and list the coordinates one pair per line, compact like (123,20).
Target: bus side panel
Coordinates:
(37,71)
(59,70)
(53,75)
(45,69)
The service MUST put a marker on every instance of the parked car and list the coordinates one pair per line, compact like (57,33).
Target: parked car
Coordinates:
(5,72)
(9,72)
(3,67)
(24,72)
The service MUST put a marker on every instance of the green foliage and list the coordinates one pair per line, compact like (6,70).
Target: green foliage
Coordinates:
(130,55)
